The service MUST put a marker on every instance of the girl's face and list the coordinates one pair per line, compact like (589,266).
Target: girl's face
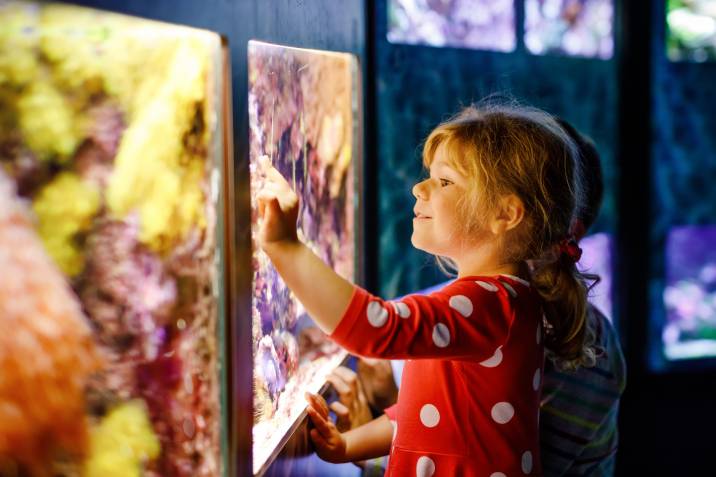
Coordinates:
(438,227)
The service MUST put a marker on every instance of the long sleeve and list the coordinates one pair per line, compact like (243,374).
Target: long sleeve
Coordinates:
(469,318)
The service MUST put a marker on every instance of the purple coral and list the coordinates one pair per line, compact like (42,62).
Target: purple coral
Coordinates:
(125,289)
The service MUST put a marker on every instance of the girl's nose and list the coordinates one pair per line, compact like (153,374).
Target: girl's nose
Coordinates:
(420,191)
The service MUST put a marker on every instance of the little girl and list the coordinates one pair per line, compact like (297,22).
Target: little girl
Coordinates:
(501,194)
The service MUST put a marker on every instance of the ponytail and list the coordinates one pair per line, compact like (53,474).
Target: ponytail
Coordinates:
(569,338)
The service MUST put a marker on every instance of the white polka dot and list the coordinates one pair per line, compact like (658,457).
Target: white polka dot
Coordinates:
(425,467)
(441,335)
(497,474)
(495,360)
(509,289)
(461,304)
(429,415)
(377,315)
(502,412)
(487,286)
(527,462)
(401,309)
(536,379)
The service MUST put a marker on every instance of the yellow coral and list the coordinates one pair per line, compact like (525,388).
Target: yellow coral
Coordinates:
(157,74)
(122,442)
(91,50)
(18,41)
(153,173)
(47,122)
(65,207)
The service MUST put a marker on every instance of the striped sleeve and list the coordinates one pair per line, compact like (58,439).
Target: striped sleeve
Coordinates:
(578,418)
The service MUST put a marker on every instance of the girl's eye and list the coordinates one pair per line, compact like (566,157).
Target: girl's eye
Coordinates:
(445,182)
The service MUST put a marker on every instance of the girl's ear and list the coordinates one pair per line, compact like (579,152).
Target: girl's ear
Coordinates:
(510,212)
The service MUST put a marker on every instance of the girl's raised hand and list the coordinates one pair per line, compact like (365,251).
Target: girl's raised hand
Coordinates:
(278,207)
(329,443)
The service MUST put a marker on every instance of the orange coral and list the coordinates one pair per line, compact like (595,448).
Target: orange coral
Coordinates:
(46,348)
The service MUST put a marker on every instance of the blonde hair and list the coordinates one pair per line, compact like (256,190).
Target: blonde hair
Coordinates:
(511,149)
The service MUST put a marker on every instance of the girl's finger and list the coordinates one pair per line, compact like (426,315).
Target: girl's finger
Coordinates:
(264,163)
(319,442)
(265,194)
(315,415)
(274,175)
(318,403)
(321,424)
(286,197)
(272,187)
(262,206)
(340,409)
(346,393)
(343,416)
(271,172)
(347,375)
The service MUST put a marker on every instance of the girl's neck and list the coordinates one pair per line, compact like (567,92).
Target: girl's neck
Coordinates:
(504,269)
(488,262)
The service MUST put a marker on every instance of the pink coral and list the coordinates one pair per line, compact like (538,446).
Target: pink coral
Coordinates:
(125,289)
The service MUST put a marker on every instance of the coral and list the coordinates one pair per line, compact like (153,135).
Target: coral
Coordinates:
(65,207)
(122,442)
(125,288)
(48,123)
(108,124)
(46,358)
(300,114)
(18,61)
(165,190)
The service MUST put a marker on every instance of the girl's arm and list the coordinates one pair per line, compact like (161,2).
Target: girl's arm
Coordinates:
(368,441)
(466,319)
(324,294)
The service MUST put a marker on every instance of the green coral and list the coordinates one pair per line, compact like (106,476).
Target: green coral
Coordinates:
(122,442)
(65,207)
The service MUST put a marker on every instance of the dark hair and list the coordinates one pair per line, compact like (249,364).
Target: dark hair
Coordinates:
(592,180)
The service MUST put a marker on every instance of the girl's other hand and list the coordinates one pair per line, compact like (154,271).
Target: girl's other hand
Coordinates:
(378,383)
(278,207)
(329,443)
(351,408)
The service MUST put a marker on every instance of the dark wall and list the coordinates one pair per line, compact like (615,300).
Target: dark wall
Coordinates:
(320,24)
(683,172)
(419,86)
(667,150)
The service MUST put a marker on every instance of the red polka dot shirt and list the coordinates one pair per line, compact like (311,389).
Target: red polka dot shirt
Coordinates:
(469,397)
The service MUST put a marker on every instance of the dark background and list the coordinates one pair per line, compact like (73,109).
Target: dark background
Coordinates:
(654,123)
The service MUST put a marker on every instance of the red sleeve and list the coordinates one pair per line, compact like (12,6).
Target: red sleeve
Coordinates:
(392,412)
(467,318)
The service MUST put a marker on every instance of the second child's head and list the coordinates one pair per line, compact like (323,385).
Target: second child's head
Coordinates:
(505,180)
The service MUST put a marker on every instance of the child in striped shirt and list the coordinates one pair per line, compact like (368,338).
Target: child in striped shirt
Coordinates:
(578,422)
